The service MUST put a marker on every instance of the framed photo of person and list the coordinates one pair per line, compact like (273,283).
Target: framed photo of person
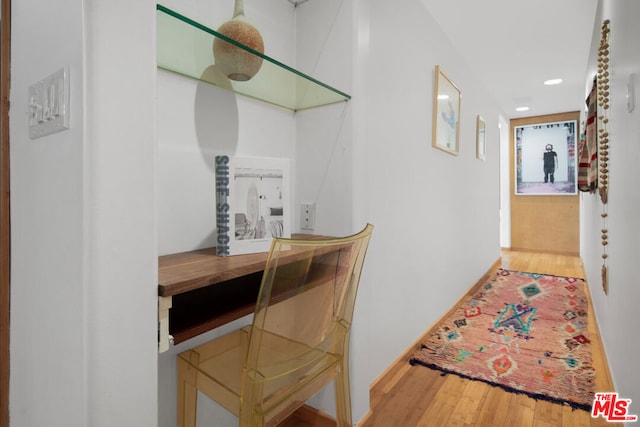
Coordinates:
(545,159)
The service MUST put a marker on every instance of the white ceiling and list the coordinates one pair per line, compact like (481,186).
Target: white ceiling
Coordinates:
(515,45)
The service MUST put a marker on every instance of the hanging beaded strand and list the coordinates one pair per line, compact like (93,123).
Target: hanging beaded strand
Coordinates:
(603,144)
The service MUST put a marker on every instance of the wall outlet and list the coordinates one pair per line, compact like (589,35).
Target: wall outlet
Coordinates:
(307,216)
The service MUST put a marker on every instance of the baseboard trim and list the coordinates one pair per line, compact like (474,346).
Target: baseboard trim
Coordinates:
(542,251)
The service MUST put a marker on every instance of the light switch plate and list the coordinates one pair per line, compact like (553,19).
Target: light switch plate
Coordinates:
(48,102)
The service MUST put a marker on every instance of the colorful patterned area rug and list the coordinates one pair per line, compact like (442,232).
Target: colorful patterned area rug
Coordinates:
(524,332)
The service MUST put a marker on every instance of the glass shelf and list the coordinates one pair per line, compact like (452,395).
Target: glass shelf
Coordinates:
(185,47)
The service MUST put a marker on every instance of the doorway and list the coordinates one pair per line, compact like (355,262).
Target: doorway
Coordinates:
(545,212)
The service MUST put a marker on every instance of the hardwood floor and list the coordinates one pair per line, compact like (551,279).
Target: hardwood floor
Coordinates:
(414,396)
(410,396)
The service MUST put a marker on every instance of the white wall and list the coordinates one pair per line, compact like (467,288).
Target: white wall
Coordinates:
(324,136)
(84,286)
(504,131)
(617,311)
(120,216)
(196,122)
(47,196)
(436,215)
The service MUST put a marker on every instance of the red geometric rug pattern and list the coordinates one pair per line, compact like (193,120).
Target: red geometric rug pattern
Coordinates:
(524,332)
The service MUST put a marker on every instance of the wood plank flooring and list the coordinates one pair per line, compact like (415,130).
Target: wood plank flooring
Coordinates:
(416,396)
(410,396)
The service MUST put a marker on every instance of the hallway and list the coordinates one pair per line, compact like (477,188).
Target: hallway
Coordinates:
(87,211)
(414,396)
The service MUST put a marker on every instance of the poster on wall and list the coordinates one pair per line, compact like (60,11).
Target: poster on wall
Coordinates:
(545,159)
(252,203)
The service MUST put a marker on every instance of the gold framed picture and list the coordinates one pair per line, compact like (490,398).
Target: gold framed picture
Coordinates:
(446,113)
(481,138)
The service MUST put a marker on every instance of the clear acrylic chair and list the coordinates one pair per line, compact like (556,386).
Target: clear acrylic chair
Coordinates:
(297,343)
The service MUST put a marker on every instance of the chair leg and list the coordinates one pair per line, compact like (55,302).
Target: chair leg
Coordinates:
(187,394)
(343,396)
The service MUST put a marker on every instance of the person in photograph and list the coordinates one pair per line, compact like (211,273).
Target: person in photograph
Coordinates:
(550,163)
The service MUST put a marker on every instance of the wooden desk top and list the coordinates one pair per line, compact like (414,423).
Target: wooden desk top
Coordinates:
(186,271)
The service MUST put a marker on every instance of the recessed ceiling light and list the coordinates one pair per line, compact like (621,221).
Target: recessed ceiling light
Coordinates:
(441,97)
(522,109)
(553,82)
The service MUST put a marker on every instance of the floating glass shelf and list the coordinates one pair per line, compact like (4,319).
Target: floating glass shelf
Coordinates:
(185,47)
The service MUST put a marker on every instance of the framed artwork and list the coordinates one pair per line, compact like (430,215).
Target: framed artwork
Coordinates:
(545,159)
(446,113)
(481,138)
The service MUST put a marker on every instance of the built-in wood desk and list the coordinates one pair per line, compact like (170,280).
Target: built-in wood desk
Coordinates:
(205,291)
(199,291)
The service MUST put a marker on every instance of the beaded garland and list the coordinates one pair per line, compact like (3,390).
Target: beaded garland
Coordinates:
(603,143)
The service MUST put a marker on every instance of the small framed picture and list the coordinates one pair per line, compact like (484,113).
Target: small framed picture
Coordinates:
(481,138)
(446,113)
